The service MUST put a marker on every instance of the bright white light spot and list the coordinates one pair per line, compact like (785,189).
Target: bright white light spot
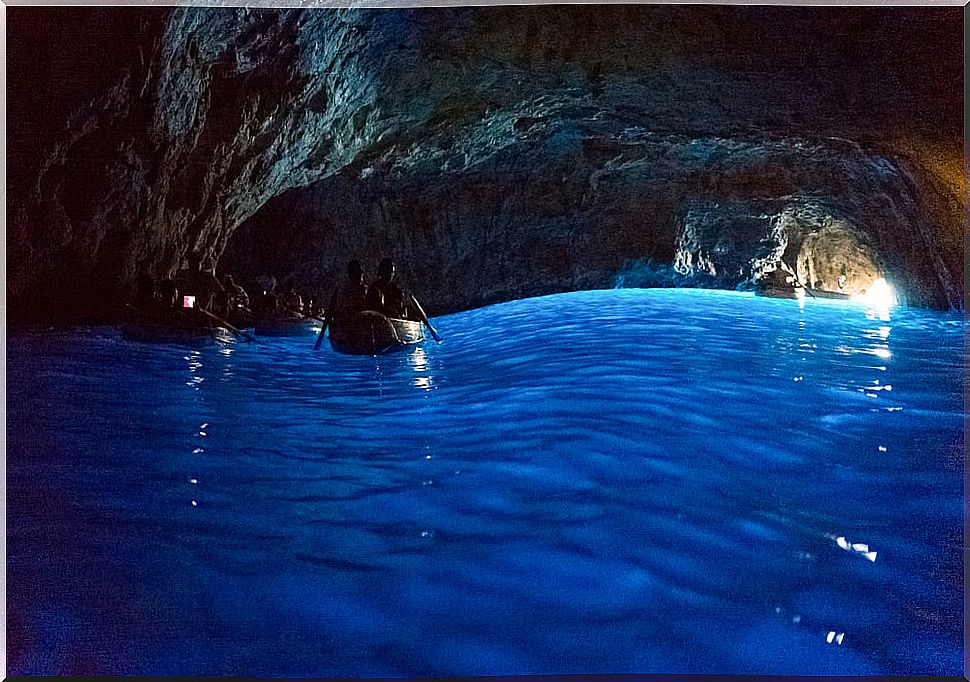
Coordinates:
(879,295)
(194,503)
(871,556)
(193,481)
(882,352)
(840,637)
(882,448)
(197,451)
(842,542)
(830,637)
(860,547)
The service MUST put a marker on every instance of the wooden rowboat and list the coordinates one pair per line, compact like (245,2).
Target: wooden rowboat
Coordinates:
(173,327)
(283,325)
(821,293)
(370,333)
(799,292)
(778,292)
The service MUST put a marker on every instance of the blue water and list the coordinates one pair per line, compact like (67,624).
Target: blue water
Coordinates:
(614,482)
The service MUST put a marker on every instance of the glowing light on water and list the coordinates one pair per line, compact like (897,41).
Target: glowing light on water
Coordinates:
(418,360)
(857,547)
(880,295)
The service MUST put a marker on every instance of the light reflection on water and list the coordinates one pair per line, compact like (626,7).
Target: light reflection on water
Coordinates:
(617,481)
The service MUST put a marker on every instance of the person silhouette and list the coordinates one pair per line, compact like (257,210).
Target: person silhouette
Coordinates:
(385,294)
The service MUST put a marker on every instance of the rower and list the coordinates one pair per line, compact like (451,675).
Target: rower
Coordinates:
(385,295)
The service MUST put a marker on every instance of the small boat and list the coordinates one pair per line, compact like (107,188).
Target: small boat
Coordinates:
(779,291)
(370,333)
(176,327)
(282,325)
(821,293)
(775,291)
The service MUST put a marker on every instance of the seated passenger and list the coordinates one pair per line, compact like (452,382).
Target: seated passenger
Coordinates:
(236,296)
(294,302)
(350,298)
(192,280)
(778,278)
(384,295)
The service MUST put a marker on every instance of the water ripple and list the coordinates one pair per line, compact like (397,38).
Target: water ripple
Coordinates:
(592,482)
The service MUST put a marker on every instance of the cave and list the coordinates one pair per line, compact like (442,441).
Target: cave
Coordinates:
(836,260)
(485,341)
(527,170)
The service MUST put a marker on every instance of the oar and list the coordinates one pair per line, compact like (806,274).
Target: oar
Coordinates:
(797,281)
(323,329)
(141,312)
(228,326)
(325,320)
(424,318)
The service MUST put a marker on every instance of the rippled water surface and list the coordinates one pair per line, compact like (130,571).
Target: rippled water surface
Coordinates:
(614,481)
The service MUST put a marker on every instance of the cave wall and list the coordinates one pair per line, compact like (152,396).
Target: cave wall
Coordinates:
(608,204)
(502,152)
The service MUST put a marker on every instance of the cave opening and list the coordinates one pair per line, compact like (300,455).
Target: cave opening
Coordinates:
(836,260)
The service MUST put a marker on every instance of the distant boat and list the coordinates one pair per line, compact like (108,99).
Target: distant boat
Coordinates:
(174,327)
(776,291)
(370,333)
(283,325)
(821,293)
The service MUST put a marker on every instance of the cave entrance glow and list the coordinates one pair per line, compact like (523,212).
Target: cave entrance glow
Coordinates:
(835,259)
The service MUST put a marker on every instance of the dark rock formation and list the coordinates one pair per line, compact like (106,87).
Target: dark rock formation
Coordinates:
(504,152)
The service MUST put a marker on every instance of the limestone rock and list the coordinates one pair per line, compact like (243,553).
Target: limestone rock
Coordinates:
(504,152)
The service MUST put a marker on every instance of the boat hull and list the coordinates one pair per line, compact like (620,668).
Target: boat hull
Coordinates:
(835,295)
(149,330)
(799,292)
(370,333)
(778,292)
(282,326)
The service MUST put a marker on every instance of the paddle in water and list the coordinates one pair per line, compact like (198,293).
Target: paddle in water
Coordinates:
(424,318)
(325,320)
(234,330)
(323,329)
